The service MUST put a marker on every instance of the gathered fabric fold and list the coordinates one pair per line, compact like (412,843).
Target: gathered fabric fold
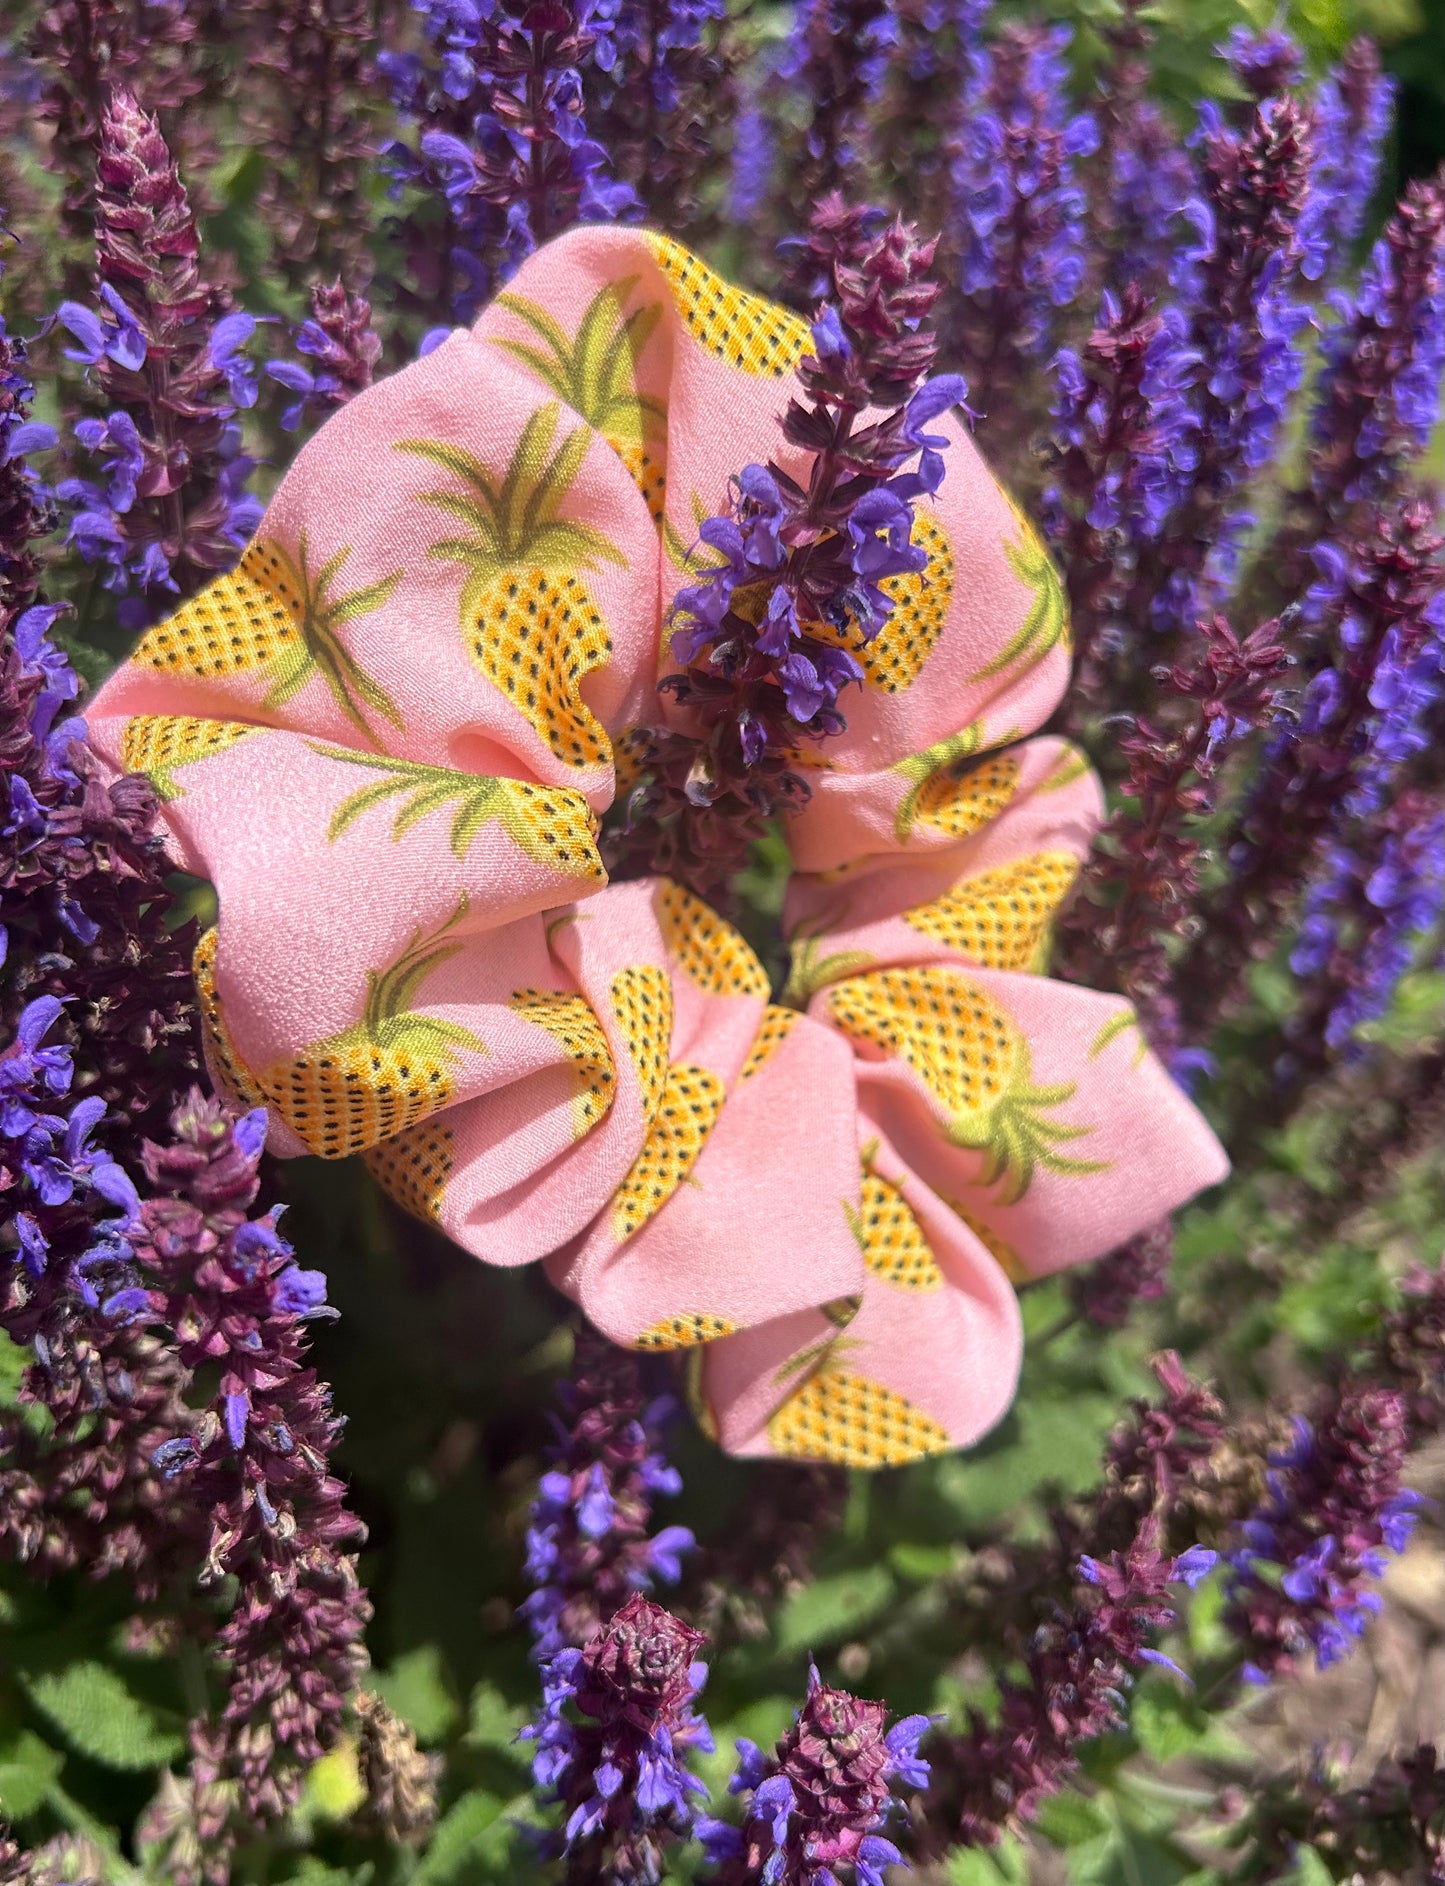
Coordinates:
(388,738)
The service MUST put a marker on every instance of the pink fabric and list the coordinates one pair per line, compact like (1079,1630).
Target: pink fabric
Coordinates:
(387,739)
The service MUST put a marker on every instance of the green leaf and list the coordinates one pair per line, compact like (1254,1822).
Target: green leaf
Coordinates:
(834,1607)
(1041,1443)
(1167,1722)
(92,1708)
(1007,1863)
(1309,1869)
(462,1836)
(1068,1820)
(920,1564)
(333,1787)
(416,1688)
(493,1723)
(314,1872)
(27,1768)
(15,1358)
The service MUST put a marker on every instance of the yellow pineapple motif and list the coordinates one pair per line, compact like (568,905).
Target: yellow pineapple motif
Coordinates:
(414,1166)
(647,471)
(1000,918)
(569,1020)
(744,330)
(154,744)
(385,1072)
(1047,623)
(231,1071)
(595,372)
(684,1331)
(948,758)
(631,757)
(891,1239)
(551,824)
(846,1419)
(274,613)
(530,625)
(708,949)
(691,1103)
(894,659)
(961,796)
(975,1063)
(642,1007)
(777,1025)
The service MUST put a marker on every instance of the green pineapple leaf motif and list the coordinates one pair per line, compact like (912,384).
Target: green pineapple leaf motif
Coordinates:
(388,1019)
(809,970)
(1014,1137)
(1070,765)
(320,649)
(423,789)
(595,370)
(1117,1025)
(1047,621)
(515,520)
(919,768)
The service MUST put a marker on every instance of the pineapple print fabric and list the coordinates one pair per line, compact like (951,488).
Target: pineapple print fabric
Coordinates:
(388,737)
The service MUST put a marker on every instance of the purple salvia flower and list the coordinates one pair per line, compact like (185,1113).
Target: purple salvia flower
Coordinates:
(1334,1507)
(1018,217)
(913,122)
(82,889)
(72,1293)
(312,199)
(83,51)
(835,61)
(1142,177)
(1379,386)
(254,1469)
(1138,1272)
(1390,1827)
(810,563)
(617,1728)
(1379,896)
(23,509)
(653,102)
(1139,886)
(1150,180)
(1353,109)
(337,339)
(171,508)
(1266,64)
(502,139)
(1123,445)
(1236,281)
(1380,608)
(752,163)
(588,1548)
(817,1809)
(1078,1667)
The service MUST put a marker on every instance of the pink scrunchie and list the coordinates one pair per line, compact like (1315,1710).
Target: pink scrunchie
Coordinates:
(386,739)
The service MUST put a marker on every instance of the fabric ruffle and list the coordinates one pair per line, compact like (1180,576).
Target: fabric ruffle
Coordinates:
(387,739)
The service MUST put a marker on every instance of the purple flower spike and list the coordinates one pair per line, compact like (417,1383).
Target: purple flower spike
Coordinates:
(587,1546)
(1334,1505)
(613,1743)
(818,1806)
(169,509)
(767,635)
